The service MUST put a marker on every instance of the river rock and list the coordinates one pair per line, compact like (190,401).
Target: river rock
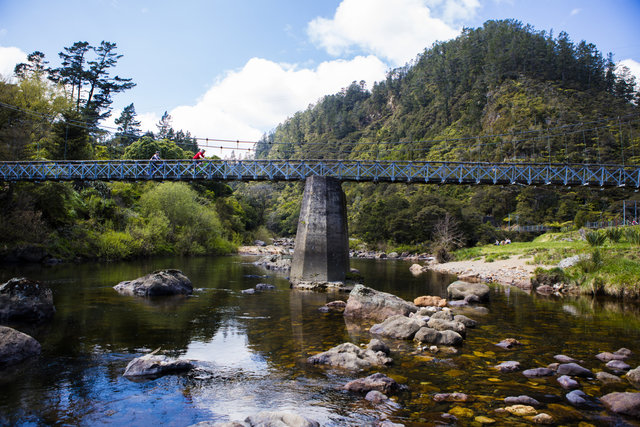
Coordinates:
(398,327)
(537,372)
(573,369)
(430,301)
(249,291)
(633,376)
(158,283)
(24,299)
(623,352)
(275,262)
(564,359)
(607,356)
(521,410)
(279,419)
(374,396)
(543,418)
(461,290)
(376,345)
(545,290)
(379,382)
(522,400)
(350,356)
(16,346)
(618,365)
(623,403)
(265,287)
(432,336)
(153,365)
(367,303)
(508,366)
(467,322)
(447,325)
(567,382)
(445,314)
(607,378)
(451,397)
(337,306)
(449,338)
(508,343)
(578,398)
(416,269)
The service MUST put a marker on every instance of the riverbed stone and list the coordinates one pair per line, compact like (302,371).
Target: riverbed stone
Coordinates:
(543,418)
(618,365)
(521,400)
(573,369)
(265,287)
(508,366)
(460,412)
(607,378)
(350,356)
(398,327)
(578,398)
(624,403)
(159,283)
(368,303)
(376,345)
(508,343)
(564,359)
(430,301)
(633,376)
(607,356)
(461,290)
(449,338)
(447,325)
(467,322)
(154,365)
(444,314)
(377,381)
(374,396)
(521,410)
(274,262)
(537,372)
(279,419)
(416,269)
(26,300)
(623,352)
(451,397)
(16,346)
(567,382)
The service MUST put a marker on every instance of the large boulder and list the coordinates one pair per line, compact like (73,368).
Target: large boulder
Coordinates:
(622,403)
(467,290)
(398,327)
(350,356)
(16,346)
(158,283)
(24,299)
(377,381)
(152,365)
(367,303)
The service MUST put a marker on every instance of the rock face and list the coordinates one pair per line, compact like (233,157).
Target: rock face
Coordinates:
(24,299)
(350,356)
(158,283)
(398,327)
(16,346)
(152,365)
(464,290)
(367,303)
(623,403)
(377,381)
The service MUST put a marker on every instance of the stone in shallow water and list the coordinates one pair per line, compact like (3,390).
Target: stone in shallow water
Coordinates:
(158,283)
(543,418)
(564,359)
(350,356)
(522,400)
(537,372)
(16,346)
(377,381)
(461,412)
(26,300)
(508,343)
(451,397)
(280,418)
(567,382)
(152,365)
(607,378)
(578,398)
(607,356)
(623,403)
(521,410)
(574,369)
(618,365)
(508,366)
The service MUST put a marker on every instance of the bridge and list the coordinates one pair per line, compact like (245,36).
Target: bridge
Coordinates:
(436,172)
(321,251)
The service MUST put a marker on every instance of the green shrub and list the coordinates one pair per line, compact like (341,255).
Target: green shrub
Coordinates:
(113,245)
(632,234)
(595,238)
(614,234)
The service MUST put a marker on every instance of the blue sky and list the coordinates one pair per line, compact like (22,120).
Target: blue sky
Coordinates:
(235,69)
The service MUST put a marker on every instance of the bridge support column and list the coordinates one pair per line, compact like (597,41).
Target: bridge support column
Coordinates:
(321,251)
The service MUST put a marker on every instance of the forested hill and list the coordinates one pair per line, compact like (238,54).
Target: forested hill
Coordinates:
(471,99)
(503,92)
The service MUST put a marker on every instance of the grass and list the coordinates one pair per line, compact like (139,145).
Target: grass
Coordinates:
(614,270)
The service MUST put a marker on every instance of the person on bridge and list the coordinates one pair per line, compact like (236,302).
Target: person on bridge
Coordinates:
(153,164)
(199,155)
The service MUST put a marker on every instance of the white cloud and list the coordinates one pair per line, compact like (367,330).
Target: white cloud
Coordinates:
(576,11)
(634,68)
(249,102)
(396,31)
(9,58)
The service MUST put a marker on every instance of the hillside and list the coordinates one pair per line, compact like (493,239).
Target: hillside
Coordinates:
(503,92)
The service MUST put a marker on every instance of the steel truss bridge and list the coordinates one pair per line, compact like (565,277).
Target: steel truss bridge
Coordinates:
(346,170)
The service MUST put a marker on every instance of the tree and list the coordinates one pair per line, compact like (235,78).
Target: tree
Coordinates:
(35,65)
(165,131)
(128,126)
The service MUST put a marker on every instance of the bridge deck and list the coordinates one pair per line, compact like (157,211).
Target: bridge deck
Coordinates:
(345,170)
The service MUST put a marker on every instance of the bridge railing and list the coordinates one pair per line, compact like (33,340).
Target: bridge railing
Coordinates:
(347,170)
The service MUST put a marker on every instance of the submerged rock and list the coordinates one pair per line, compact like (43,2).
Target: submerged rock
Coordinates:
(367,303)
(377,381)
(158,283)
(152,365)
(522,400)
(337,306)
(350,356)
(607,378)
(24,299)
(508,343)
(16,346)
(508,366)
(467,322)
(537,372)
(279,419)
(623,403)
(451,397)
(462,290)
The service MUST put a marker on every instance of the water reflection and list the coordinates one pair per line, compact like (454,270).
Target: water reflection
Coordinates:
(252,348)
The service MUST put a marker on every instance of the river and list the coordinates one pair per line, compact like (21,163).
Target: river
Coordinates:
(255,347)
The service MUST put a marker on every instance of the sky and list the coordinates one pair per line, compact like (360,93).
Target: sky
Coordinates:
(234,70)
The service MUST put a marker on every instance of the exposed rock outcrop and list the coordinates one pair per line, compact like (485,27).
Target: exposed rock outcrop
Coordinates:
(26,300)
(152,365)
(158,283)
(367,303)
(464,290)
(350,356)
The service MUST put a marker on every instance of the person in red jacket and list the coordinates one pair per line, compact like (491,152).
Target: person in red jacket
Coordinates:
(199,155)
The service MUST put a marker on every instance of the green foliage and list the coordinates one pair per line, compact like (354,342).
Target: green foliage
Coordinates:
(550,277)
(145,147)
(595,238)
(632,235)
(114,245)
(614,234)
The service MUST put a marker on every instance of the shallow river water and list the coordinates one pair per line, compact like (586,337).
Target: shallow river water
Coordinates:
(254,349)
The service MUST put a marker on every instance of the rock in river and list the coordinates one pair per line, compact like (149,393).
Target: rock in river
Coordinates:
(24,299)
(158,283)
(16,346)
(623,403)
(367,303)
(461,290)
(152,365)
(398,327)
(573,369)
(350,356)
(377,381)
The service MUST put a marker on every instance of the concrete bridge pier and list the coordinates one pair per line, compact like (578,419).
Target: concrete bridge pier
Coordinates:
(321,252)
